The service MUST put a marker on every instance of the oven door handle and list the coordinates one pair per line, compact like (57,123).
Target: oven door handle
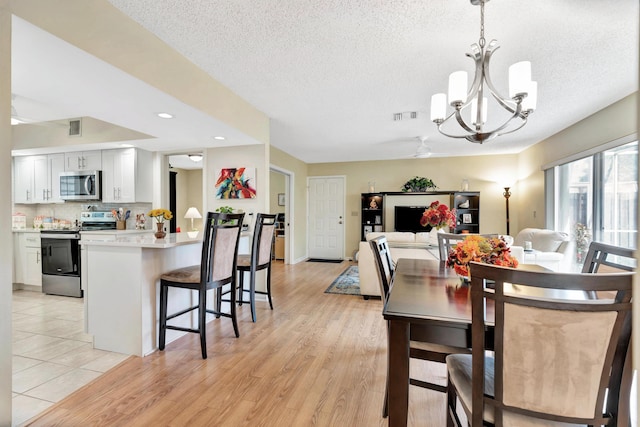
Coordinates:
(61,236)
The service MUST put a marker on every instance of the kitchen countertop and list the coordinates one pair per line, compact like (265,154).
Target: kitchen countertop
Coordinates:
(146,240)
(26,230)
(116,232)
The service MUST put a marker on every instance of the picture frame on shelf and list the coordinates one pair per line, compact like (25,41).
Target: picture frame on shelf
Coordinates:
(466,218)
(281,200)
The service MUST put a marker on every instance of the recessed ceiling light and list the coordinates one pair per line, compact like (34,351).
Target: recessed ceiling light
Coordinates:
(220,138)
(165,115)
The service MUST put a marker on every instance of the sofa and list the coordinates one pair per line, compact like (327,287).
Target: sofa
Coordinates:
(401,245)
(550,249)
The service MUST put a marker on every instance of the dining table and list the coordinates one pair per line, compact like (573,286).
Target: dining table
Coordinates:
(429,302)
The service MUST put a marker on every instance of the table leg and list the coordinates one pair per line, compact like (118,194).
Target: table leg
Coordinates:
(398,373)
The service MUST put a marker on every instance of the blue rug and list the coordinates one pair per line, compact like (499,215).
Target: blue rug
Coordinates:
(348,283)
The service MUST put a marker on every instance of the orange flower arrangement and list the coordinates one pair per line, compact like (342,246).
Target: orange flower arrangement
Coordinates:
(438,216)
(480,249)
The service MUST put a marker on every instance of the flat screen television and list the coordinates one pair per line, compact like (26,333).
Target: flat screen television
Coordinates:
(407,218)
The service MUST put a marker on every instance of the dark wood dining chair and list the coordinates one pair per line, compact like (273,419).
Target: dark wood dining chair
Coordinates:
(605,258)
(447,241)
(417,350)
(556,360)
(217,269)
(259,259)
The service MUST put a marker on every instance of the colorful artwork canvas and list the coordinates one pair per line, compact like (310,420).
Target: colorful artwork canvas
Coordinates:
(236,183)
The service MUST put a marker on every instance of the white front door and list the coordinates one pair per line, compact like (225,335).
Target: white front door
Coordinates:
(326,217)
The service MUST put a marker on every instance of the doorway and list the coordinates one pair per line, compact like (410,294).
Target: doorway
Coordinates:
(185,190)
(281,202)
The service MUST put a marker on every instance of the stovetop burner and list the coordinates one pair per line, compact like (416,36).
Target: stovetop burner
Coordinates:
(97,220)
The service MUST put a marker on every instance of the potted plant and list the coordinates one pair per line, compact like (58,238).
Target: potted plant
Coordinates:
(418,184)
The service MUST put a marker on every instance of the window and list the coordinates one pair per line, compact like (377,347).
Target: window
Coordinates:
(596,197)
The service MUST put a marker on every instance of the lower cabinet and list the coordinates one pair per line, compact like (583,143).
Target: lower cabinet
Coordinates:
(28,260)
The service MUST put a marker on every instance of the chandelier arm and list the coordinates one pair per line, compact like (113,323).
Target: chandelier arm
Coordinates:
(503,101)
(524,122)
(462,123)
(448,134)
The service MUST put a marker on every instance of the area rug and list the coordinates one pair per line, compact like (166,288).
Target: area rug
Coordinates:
(334,261)
(347,283)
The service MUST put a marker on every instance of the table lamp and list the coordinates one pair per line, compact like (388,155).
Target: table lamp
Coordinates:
(192,213)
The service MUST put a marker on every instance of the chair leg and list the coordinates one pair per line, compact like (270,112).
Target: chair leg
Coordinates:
(202,316)
(451,405)
(218,301)
(241,287)
(385,405)
(164,290)
(269,286)
(233,309)
(252,293)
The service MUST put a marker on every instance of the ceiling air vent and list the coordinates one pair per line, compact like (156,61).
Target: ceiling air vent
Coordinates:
(75,127)
(407,115)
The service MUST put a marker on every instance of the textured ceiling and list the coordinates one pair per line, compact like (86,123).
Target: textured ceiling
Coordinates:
(330,74)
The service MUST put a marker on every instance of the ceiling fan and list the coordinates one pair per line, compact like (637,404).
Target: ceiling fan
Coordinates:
(32,107)
(423,150)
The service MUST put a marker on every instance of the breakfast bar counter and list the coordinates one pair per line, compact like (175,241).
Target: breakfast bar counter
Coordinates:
(122,291)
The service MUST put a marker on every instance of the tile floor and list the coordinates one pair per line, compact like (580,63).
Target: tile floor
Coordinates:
(52,356)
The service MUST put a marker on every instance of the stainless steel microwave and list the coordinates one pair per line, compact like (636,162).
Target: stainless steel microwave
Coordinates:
(80,185)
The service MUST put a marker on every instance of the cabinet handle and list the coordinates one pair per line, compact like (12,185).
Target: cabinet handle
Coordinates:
(79,164)
(44,194)
(119,193)
(37,257)
(114,193)
(28,195)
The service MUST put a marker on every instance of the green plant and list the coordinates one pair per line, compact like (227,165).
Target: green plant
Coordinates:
(418,184)
(225,209)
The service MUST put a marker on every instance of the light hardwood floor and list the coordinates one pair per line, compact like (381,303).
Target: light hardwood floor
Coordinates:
(316,360)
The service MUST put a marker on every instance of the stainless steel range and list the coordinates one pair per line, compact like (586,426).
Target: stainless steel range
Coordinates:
(61,264)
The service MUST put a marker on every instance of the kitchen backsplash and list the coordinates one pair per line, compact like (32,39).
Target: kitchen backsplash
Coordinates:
(70,211)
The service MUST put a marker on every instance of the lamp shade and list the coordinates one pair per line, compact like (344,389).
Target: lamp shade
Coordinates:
(192,213)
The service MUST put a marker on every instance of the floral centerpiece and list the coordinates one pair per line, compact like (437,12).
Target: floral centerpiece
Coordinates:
(160,216)
(492,250)
(438,216)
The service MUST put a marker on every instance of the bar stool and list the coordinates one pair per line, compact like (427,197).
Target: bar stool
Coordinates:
(260,259)
(217,268)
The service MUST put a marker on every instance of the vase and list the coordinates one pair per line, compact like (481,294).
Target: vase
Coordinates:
(160,230)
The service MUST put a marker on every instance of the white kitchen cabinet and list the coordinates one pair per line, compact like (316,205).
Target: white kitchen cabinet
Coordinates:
(36,178)
(47,178)
(28,259)
(83,161)
(23,180)
(127,176)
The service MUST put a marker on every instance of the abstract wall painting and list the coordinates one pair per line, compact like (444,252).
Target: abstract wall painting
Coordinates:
(236,183)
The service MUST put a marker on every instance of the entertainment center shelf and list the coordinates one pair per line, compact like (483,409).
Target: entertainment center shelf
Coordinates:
(407,218)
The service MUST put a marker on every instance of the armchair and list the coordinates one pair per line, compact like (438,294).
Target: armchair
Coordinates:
(550,248)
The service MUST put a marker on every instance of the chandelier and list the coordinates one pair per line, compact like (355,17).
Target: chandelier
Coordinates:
(519,105)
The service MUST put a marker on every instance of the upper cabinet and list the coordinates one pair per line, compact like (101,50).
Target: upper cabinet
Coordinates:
(127,176)
(83,161)
(36,178)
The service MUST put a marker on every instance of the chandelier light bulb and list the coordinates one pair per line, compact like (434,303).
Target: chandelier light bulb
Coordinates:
(458,87)
(519,79)
(483,111)
(529,103)
(438,107)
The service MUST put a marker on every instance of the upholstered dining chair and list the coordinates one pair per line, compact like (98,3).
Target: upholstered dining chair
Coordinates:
(446,242)
(217,268)
(259,259)
(557,359)
(417,350)
(605,258)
